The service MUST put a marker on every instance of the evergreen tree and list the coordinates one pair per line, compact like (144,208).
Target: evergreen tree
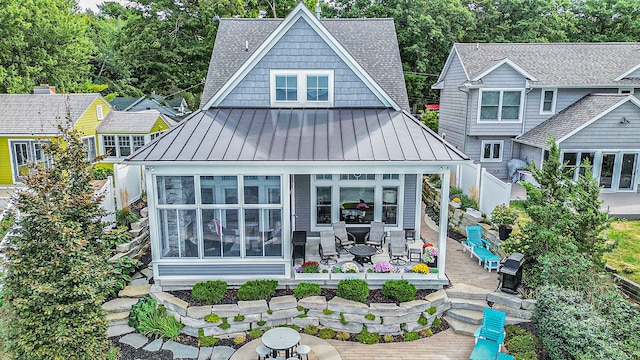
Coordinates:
(56,269)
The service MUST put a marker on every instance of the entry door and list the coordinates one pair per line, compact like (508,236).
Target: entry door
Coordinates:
(606,170)
(628,172)
(20,160)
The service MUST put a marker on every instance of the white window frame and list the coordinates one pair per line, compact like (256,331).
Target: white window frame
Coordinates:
(378,184)
(499,119)
(87,141)
(301,76)
(117,144)
(99,112)
(491,158)
(553,101)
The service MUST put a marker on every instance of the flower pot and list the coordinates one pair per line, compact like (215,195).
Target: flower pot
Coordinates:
(455,204)
(433,264)
(504,232)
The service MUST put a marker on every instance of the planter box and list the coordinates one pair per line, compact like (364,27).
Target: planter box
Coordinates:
(342,276)
(414,276)
(311,276)
(384,276)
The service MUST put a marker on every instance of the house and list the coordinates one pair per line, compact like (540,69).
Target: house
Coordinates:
(176,109)
(28,119)
(502,101)
(300,119)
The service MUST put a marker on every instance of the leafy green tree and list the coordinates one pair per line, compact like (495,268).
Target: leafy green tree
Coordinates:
(42,41)
(606,20)
(565,215)
(57,271)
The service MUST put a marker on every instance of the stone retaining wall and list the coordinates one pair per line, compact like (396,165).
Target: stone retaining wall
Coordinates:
(337,313)
(140,242)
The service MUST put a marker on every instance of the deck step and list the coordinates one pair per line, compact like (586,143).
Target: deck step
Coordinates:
(469,316)
(467,304)
(461,327)
(464,291)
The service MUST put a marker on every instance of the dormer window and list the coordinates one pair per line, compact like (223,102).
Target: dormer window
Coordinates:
(305,88)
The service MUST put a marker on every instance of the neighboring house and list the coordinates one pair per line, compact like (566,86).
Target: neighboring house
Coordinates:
(502,101)
(26,120)
(176,109)
(300,119)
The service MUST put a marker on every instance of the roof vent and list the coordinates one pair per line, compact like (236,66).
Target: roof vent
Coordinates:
(246,45)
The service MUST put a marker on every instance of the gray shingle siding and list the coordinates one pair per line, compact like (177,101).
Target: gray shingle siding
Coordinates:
(504,76)
(608,133)
(409,212)
(474,149)
(303,202)
(453,106)
(529,154)
(303,49)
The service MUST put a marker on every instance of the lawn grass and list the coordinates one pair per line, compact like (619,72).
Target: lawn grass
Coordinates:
(625,258)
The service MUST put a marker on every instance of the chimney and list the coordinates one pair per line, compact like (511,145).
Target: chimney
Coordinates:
(44,89)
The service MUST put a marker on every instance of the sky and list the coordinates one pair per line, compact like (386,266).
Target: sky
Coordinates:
(93,4)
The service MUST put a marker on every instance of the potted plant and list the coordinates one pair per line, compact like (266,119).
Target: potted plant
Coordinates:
(456,202)
(430,255)
(504,217)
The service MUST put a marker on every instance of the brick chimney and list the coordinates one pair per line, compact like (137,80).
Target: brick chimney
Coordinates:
(44,89)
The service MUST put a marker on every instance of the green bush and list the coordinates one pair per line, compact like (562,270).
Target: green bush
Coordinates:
(571,328)
(209,292)
(212,318)
(311,330)
(115,237)
(400,290)
(353,289)
(410,336)
(432,310)
(120,274)
(255,333)
(149,318)
(125,217)
(326,333)
(366,337)
(100,173)
(436,323)
(225,324)
(304,290)
(206,340)
(257,290)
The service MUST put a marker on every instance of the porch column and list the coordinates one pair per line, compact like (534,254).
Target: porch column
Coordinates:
(444,220)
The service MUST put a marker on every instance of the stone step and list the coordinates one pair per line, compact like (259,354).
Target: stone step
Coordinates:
(461,327)
(469,316)
(119,305)
(464,291)
(466,304)
(135,291)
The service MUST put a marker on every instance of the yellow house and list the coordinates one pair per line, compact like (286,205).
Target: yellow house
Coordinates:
(28,119)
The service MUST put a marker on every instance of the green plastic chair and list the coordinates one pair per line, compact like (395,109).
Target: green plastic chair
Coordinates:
(484,350)
(492,327)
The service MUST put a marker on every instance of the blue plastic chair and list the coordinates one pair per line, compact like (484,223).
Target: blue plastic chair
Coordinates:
(503,356)
(485,350)
(474,239)
(492,327)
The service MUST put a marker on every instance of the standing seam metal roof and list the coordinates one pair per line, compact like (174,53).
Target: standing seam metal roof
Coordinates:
(263,134)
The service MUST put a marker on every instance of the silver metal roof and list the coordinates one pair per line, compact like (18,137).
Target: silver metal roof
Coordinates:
(263,134)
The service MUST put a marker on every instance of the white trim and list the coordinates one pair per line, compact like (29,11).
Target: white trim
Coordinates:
(553,101)
(301,87)
(631,98)
(300,11)
(95,147)
(499,119)
(506,61)
(626,90)
(627,73)
(439,85)
(117,137)
(99,112)
(491,142)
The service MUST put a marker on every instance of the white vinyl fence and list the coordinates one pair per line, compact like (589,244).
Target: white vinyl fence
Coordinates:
(128,180)
(476,182)
(108,202)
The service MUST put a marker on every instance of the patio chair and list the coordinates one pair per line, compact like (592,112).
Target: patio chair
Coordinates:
(474,239)
(484,350)
(492,327)
(328,247)
(397,247)
(345,239)
(375,236)
(503,356)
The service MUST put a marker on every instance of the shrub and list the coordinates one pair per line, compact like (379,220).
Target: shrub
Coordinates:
(370,317)
(115,237)
(400,290)
(304,290)
(343,335)
(353,289)
(410,336)
(326,333)
(311,330)
(388,338)
(206,340)
(432,310)
(238,318)
(125,217)
(524,347)
(239,340)
(209,292)
(225,324)
(120,274)
(100,173)
(436,323)
(423,320)
(212,318)
(150,318)
(426,332)
(261,323)
(503,215)
(255,333)
(327,311)
(366,337)
(257,290)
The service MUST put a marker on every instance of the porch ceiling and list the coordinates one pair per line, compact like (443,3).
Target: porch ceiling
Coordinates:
(262,134)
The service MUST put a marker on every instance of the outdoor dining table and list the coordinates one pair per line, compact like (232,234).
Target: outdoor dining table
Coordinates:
(281,338)
(362,253)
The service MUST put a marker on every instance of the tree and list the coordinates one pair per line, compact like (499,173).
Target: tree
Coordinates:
(565,215)
(42,41)
(606,20)
(56,270)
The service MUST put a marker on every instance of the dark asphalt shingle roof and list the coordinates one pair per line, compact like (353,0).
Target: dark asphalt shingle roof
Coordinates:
(262,134)
(40,114)
(131,122)
(569,119)
(557,64)
(371,42)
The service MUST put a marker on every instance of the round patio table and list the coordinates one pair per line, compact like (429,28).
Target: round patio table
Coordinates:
(281,338)
(362,253)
